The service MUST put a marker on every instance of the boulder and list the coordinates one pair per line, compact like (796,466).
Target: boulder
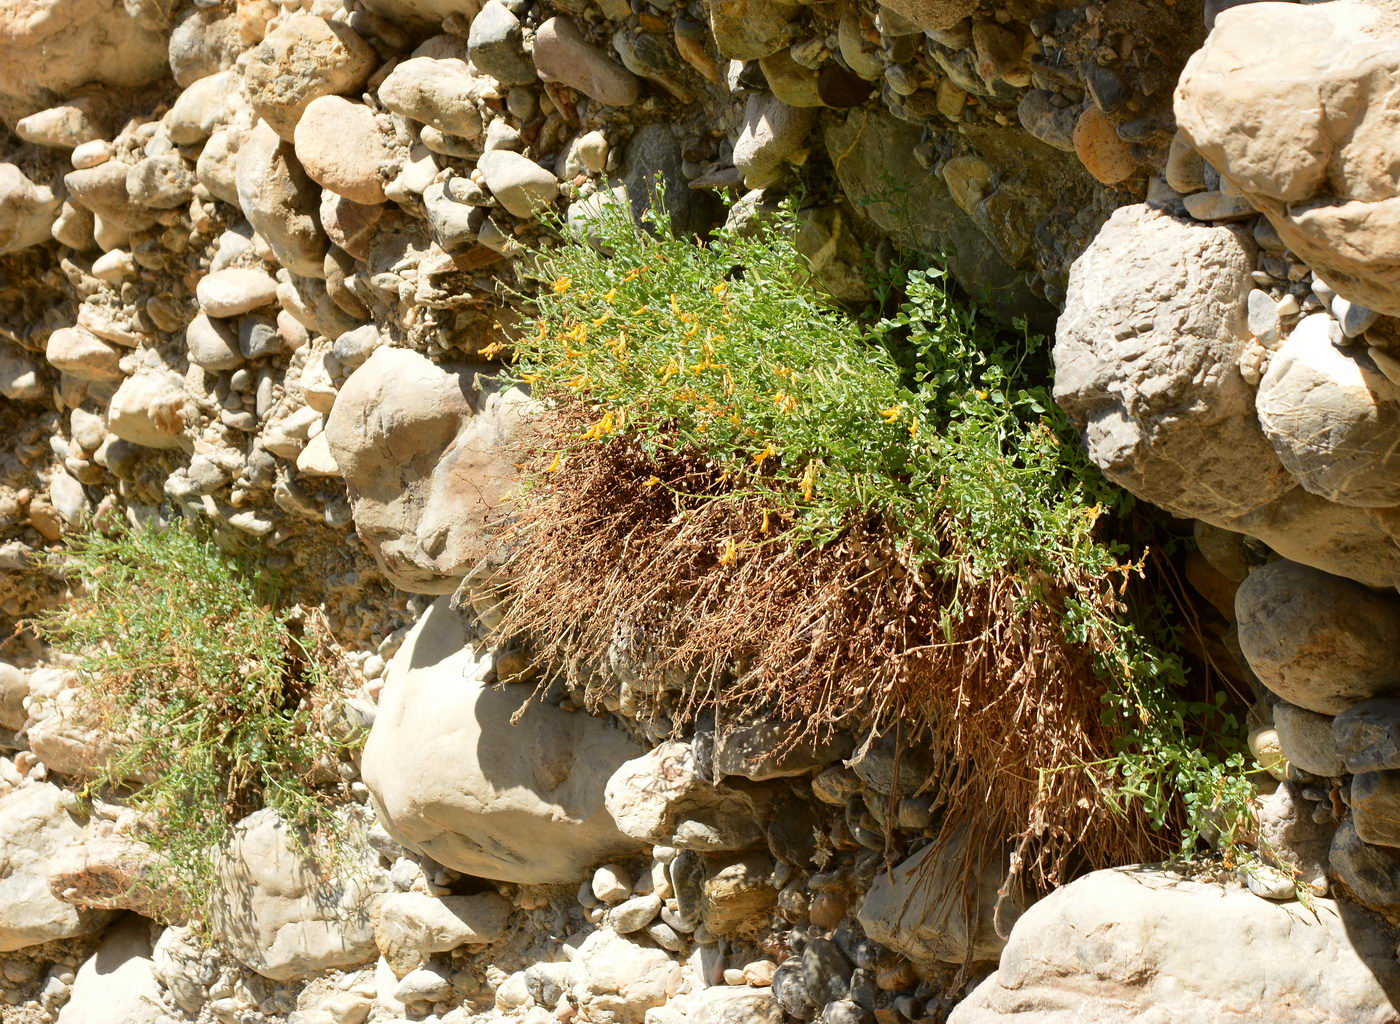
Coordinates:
(302,58)
(752,29)
(726,1004)
(737,894)
(1319,642)
(429,458)
(275,909)
(496,46)
(33,827)
(281,202)
(150,409)
(661,797)
(1332,417)
(455,775)
(1307,740)
(1296,105)
(1136,944)
(1367,874)
(420,923)
(922,910)
(118,982)
(441,92)
(519,184)
(82,354)
(1147,365)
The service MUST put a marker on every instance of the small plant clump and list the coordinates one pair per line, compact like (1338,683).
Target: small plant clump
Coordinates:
(215,694)
(843,522)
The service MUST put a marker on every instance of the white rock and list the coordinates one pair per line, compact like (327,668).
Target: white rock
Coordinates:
(150,409)
(118,982)
(439,92)
(79,352)
(235,291)
(26,210)
(621,979)
(611,883)
(435,924)
(519,184)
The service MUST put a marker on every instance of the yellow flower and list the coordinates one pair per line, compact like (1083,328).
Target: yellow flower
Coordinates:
(893,413)
(809,481)
(554,466)
(605,426)
(529,378)
(652,481)
(492,350)
(600,321)
(767,453)
(914,429)
(632,275)
(785,402)
(729,552)
(610,296)
(670,370)
(562,284)
(675,306)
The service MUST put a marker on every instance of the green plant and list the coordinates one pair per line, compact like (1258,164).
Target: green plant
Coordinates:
(213,694)
(891,520)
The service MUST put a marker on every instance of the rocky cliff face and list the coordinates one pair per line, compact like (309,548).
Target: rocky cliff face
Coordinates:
(256,261)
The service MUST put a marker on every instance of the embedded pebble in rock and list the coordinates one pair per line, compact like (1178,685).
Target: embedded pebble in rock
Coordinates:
(302,58)
(1332,417)
(150,409)
(519,184)
(234,291)
(1367,736)
(1354,318)
(281,202)
(1307,740)
(1375,807)
(160,182)
(423,986)
(737,894)
(563,55)
(1263,318)
(1103,154)
(202,107)
(771,132)
(1319,642)
(79,352)
(635,914)
(66,126)
(496,46)
(621,979)
(611,883)
(342,147)
(442,93)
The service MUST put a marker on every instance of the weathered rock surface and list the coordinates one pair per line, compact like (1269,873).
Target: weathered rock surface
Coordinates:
(34,826)
(1136,944)
(434,924)
(1332,417)
(1295,104)
(343,148)
(1319,642)
(302,58)
(26,210)
(1147,365)
(563,55)
(277,912)
(661,797)
(453,778)
(429,461)
(281,202)
(621,979)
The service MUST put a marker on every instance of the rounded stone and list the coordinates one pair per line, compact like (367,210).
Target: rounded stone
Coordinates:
(1103,154)
(343,149)
(301,59)
(234,291)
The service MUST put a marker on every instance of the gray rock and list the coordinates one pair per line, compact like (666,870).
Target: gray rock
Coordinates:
(634,914)
(1375,807)
(752,29)
(1290,838)
(1367,736)
(1045,120)
(281,202)
(213,344)
(1263,318)
(1136,944)
(1319,642)
(1332,417)
(1368,874)
(160,182)
(920,909)
(661,797)
(771,132)
(453,775)
(1307,741)
(653,154)
(496,46)
(1147,365)
(258,337)
(454,224)
(1353,317)
(767,749)
(519,184)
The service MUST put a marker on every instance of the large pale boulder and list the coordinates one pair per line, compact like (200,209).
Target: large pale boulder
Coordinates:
(48,48)
(1147,365)
(455,775)
(621,979)
(429,458)
(33,828)
(276,909)
(1333,418)
(1140,946)
(1297,106)
(118,982)
(921,908)
(1319,642)
(151,409)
